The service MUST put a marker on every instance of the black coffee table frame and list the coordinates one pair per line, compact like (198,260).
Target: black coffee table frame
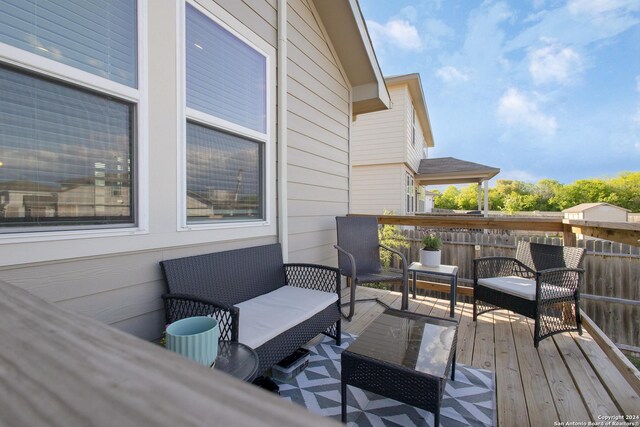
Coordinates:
(395,381)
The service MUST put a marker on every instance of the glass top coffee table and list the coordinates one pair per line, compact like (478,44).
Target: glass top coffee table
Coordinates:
(404,356)
(237,360)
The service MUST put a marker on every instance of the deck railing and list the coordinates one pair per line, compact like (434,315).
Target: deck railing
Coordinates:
(612,305)
(58,368)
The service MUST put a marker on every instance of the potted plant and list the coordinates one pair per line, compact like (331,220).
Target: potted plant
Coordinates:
(430,252)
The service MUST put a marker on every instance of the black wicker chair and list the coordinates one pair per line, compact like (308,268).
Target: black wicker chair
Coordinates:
(212,284)
(359,256)
(542,282)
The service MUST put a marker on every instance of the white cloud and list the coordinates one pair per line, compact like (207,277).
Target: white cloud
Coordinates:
(518,175)
(397,32)
(435,31)
(636,118)
(515,109)
(554,64)
(599,7)
(450,74)
(580,23)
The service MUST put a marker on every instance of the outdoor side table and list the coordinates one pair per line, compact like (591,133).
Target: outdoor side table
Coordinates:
(237,360)
(403,356)
(449,271)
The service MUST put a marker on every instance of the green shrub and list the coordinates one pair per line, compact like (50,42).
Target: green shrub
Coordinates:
(390,235)
(431,242)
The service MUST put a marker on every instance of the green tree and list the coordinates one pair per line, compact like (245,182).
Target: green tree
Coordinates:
(582,191)
(447,200)
(467,198)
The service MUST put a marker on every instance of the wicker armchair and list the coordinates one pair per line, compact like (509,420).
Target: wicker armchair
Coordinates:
(359,256)
(542,282)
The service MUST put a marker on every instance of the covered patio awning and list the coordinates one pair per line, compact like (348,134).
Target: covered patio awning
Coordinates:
(448,170)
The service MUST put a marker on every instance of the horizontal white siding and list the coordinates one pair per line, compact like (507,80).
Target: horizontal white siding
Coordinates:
(318,139)
(377,188)
(414,152)
(122,290)
(124,287)
(380,137)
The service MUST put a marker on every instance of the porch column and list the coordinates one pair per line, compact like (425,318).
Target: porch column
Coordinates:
(486,198)
(479,195)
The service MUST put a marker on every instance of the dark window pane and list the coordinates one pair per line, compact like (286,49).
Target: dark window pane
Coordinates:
(94,36)
(65,155)
(224,176)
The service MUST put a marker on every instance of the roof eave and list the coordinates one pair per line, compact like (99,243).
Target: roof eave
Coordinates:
(414,84)
(347,30)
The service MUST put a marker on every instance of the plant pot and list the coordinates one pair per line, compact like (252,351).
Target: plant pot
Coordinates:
(430,258)
(195,338)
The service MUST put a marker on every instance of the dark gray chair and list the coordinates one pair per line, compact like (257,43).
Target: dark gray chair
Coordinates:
(542,282)
(359,257)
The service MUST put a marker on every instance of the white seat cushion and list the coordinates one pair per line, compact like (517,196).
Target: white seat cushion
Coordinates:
(267,316)
(520,287)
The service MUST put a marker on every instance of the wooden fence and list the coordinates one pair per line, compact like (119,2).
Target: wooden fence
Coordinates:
(611,292)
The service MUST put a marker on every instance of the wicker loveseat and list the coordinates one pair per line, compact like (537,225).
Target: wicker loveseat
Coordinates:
(257,299)
(542,282)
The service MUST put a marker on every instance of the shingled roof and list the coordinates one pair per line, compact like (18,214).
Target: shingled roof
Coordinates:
(448,170)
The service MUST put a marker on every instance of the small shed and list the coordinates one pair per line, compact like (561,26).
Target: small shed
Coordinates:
(597,212)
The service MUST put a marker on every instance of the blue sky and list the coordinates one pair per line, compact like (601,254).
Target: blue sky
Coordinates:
(538,88)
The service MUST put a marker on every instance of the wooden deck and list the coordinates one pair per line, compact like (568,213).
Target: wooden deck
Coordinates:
(568,378)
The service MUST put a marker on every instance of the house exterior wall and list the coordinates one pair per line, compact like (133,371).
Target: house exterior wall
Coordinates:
(378,138)
(383,153)
(116,278)
(599,213)
(377,188)
(605,213)
(318,138)
(414,152)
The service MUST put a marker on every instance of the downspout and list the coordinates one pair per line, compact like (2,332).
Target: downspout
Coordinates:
(283,212)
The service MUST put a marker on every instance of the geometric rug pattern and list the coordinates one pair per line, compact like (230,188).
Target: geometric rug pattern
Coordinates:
(468,401)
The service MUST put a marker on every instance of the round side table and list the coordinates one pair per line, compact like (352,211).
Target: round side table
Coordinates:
(237,360)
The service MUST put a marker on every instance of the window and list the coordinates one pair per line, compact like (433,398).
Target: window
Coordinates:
(410,194)
(66,151)
(413,127)
(97,37)
(227,110)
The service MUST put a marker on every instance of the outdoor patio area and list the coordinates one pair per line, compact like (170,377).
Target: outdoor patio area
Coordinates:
(569,378)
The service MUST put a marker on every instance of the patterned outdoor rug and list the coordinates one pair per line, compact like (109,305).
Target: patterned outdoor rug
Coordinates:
(468,401)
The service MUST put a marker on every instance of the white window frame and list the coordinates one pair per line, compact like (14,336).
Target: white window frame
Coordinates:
(237,29)
(410,194)
(46,67)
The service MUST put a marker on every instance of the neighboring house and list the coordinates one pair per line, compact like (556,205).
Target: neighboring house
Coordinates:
(387,147)
(603,212)
(425,200)
(194,126)
(597,212)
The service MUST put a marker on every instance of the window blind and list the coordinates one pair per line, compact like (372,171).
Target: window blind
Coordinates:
(224,175)
(97,36)
(226,78)
(65,154)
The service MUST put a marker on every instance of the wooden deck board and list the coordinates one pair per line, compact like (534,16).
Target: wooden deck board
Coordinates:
(568,378)
(596,397)
(484,346)
(627,400)
(567,399)
(534,381)
(512,407)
